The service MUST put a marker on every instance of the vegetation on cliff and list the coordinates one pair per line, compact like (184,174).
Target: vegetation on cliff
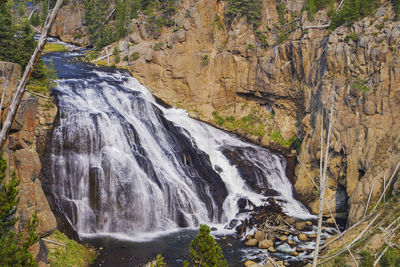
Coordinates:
(250,9)
(68,252)
(17,44)
(350,12)
(14,245)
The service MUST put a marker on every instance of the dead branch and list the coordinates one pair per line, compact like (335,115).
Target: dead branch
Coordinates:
(323,177)
(53,242)
(380,256)
(369,198)
(387,186)
(328,258)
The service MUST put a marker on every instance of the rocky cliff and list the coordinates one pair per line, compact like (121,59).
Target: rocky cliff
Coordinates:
(220,73)
(275,85)
(20,152)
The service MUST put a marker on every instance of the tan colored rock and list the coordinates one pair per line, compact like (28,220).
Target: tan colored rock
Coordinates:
(32,197)
(251,242)
(271,250)
(292,243)
(294,253)
(259,235)
(312,236)
(265,244)
(249,263)
(283,237)
(69,26)
(300,226)
(303,237)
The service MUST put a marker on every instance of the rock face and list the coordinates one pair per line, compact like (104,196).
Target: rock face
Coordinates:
(209,68)
(21,155)
(291,86)
(68,25)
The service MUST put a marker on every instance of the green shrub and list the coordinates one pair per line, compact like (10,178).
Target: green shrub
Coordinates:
(380,26)
(367,258)
(78,35)
(135,55)
(218,119)
(217,22)
(262,38)
(360,84)
(282,13)
(159,262)
(116,53)
(251,9)
(159,46)
(35,19)
(282,36)
(277,137)
(250,47)
(205,60)
(391,258)
(351,36)
(205,251)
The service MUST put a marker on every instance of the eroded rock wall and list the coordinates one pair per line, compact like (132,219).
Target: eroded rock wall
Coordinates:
(205,66)
(21,155)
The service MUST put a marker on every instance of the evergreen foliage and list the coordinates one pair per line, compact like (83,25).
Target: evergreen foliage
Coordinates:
(204,250)
(95,15)
(45,11)
(251,9)
(121,19)
(159,262)
(35,19)
(396,8)
(7,40)
(14,247)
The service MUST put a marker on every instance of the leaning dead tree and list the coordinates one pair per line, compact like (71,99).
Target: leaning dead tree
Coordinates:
(323,168)
(17,97)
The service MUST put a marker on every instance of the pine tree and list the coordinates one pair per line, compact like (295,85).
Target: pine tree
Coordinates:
(45,11)
(14,247)
(7,41)
(204,250)
(121,19)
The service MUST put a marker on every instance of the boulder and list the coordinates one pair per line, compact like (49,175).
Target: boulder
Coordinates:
(251,242)
(290,220)
(283,237)
(249,237)
(291,243)
(271,250)
(259,235)
(294,253)
(303,237)
(148,55)
(178,36)
(300,226)
(265,244)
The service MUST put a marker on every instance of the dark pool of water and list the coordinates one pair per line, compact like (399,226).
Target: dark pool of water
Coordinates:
(173,247)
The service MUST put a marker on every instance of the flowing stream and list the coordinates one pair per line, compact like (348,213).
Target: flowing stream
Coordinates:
(119,164)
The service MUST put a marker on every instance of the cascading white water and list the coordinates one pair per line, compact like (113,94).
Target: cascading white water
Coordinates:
(121,163)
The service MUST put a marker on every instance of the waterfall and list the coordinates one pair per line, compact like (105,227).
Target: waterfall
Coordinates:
(118,162)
